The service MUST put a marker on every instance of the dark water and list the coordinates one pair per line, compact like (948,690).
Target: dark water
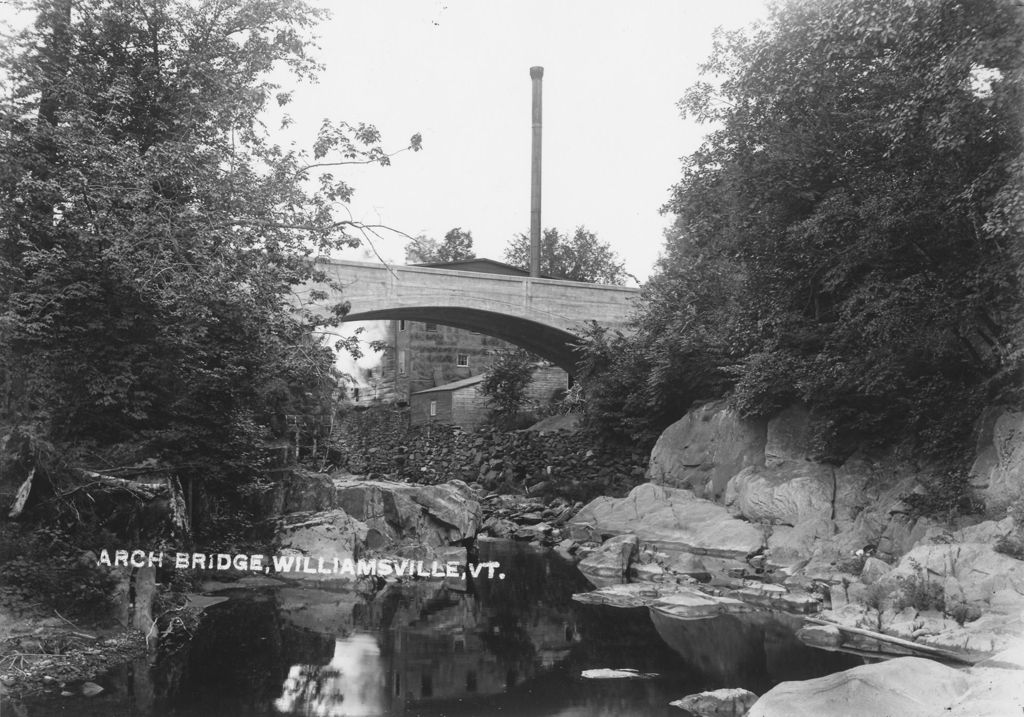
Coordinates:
(511,647)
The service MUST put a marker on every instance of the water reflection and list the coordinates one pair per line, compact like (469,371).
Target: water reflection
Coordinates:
(349,685)
(433,649)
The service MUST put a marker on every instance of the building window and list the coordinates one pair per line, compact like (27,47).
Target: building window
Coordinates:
(401,361)
(401,324)
(430,327)
(462,359)
(433,408)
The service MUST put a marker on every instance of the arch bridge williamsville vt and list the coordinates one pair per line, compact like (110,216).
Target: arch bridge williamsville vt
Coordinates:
(541,315)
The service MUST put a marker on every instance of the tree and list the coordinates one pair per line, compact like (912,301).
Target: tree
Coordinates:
(151,232)
(844,236)
(456,246)
(505,383)
(583,257)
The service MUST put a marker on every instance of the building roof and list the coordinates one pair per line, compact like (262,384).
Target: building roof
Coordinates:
(454,385)
(479,265)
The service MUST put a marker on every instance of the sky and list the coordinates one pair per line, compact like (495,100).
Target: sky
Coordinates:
(458,73)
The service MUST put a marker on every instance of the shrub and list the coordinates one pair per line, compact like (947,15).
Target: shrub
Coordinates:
(46,568)
(505,384)
(920,593)
(945,496)
(1013,543)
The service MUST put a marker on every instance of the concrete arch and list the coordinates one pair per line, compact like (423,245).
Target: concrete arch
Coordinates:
(548,342)
(541,315)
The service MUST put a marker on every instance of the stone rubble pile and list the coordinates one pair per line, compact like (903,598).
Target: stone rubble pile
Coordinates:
(557,463)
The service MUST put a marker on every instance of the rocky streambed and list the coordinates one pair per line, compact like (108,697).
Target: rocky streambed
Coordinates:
(738,521)
(741,554)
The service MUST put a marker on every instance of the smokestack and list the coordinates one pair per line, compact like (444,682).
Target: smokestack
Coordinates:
(536,74)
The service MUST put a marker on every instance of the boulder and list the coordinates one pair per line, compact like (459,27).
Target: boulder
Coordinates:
(610,563)
(328,534)
(685,564)
(305,491)
(906,686)
(826,637)
(730,702)
(786,493)
(792,544)
(705,448)
(998,471)
(788,436)
(411,515)
(874,570)
(996,686)
(672,519)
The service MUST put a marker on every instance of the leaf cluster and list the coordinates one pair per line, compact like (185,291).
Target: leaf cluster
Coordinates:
(456,245)
(848,235)
(151,234)
(505,384)
(581,257)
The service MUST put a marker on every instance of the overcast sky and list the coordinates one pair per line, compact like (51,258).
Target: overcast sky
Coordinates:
(458,72)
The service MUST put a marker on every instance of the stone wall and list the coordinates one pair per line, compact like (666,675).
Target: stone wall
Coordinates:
(380,441)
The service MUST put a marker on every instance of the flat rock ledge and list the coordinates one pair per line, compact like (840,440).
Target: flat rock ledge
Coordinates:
(671,519)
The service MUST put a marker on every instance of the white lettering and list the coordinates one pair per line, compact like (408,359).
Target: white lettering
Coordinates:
(283,563)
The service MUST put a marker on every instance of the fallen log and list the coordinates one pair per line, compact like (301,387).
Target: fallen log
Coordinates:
(908,644)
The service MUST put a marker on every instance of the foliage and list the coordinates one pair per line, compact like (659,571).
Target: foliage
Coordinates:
(151,235)
(624,400)
(582,257)
(849,233)
(1013,543)
(945,495)
(48,566)
(457,245)
(920,593)
(505,383)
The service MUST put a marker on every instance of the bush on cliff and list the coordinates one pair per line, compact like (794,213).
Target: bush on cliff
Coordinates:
(849,233)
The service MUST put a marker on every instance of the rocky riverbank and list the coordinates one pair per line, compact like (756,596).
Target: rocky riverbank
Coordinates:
(738,513)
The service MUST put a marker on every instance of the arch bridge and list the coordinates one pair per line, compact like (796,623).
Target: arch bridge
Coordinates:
(540,315)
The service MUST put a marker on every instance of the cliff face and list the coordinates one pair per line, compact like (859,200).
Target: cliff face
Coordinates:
(743,494)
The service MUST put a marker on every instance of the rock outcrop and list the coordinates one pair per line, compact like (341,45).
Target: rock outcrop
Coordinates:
(345,517)
(998,471)
(907,686)
(786,493)
(705,448)
(672,519)
(609,564)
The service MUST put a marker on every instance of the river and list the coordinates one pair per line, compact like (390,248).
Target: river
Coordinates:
(435,648)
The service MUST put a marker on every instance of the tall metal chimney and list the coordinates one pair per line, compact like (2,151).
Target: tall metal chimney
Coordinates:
(536,74)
